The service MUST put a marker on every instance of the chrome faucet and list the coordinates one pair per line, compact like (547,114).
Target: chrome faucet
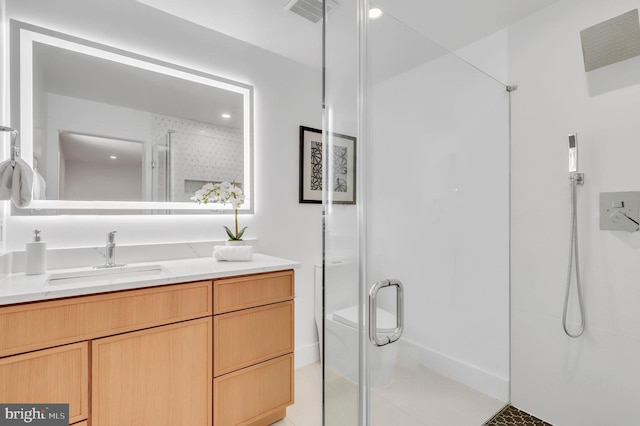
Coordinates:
(110,252)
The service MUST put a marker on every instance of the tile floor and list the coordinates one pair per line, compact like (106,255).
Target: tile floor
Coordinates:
(417,397)
(511,416)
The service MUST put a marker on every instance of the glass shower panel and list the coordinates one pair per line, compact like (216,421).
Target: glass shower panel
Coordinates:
(340,269)
(438,221)
(160,170)
(433,213)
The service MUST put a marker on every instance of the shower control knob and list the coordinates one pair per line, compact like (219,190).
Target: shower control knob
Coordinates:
(624,221)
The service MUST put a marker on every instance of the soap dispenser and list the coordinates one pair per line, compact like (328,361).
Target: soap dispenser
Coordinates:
(36,256)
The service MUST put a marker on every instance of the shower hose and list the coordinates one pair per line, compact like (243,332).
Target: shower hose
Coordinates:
(573,259)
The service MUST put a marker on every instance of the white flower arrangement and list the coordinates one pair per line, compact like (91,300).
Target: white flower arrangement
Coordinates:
(223,193)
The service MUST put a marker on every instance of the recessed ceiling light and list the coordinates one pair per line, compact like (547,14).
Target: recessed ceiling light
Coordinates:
(113,157)
(375,13)
(225,115)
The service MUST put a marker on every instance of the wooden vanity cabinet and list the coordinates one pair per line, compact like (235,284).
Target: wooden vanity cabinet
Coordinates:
(253,329)
(149,342)
(32,326)
(209,352)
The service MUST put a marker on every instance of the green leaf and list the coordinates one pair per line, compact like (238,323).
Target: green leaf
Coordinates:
(230,234)
(241,233)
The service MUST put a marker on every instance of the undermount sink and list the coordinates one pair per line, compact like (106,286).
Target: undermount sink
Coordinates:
(103,274)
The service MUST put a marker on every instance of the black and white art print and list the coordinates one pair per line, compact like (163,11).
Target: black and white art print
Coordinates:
(342,167)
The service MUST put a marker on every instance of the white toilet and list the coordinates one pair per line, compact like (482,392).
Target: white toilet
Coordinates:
(342,326)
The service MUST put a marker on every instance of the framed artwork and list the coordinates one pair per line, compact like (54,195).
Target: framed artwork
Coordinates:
(342,167)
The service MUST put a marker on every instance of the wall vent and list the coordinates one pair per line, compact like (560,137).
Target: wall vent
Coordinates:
(310,9)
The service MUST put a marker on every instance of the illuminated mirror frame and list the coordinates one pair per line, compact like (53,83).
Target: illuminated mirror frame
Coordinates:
(22,38)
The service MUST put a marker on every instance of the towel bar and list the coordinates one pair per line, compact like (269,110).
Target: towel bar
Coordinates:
(15,149)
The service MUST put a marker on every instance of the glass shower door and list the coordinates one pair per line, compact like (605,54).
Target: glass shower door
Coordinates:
(431,216)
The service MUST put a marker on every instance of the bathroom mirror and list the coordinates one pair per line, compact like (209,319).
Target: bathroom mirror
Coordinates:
(109,130)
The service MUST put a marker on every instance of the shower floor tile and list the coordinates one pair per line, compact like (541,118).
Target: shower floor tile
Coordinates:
(511,416)
(434,399)
(417,397)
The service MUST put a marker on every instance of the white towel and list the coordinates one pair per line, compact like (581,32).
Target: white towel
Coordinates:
(16,182)
(233,253)
(39,186)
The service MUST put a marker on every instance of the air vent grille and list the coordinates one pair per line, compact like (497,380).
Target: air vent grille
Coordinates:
(310,9)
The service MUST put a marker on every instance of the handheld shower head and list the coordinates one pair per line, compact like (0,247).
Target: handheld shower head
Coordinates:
(573,153)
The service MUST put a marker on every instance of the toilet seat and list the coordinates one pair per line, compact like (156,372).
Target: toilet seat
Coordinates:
(349,317)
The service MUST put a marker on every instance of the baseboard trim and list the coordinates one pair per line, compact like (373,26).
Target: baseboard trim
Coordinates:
(460,371)
(305,355)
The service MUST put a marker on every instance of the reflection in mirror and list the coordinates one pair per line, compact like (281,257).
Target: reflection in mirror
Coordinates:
(191,154)
(170,129)
(96,167)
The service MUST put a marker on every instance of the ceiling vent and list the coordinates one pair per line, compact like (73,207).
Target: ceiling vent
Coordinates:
(310,9)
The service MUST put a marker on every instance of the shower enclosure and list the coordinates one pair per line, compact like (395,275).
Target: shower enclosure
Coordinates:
(431,217)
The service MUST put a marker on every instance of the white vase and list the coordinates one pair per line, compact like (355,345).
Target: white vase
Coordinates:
(234,243)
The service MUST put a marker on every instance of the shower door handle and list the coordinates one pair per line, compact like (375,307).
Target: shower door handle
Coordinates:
(373,312)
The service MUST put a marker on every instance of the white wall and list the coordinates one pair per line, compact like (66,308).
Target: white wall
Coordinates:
(93,118)
(440,213)
(84,180)
(592,380)
(287,95)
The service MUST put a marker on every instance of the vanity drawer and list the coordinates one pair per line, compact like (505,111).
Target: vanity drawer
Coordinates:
(39,325)
(248,396)
(233,294)
(251,336)
(59,375)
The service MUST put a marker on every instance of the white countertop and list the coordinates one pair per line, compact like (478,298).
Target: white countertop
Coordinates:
(20,288)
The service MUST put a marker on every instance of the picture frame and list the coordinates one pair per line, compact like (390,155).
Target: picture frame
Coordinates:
(342,173)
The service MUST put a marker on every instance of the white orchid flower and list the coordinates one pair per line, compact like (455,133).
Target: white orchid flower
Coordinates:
(223,193)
